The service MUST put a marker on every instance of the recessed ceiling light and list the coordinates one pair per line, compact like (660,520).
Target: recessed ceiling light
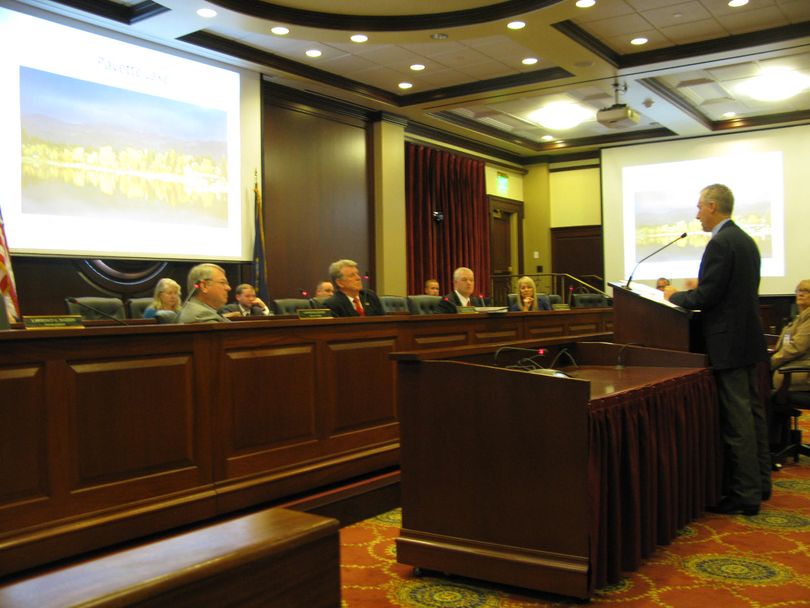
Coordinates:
(529,61)
(547,138)
(359,38)
(516,25)
(439,36)
(561,115)
(737,3)
(417,67)
(313,53)
(729,114)
(639,41)
(280,30)
(585,3)
(774,84)
(206,13)
(405,85)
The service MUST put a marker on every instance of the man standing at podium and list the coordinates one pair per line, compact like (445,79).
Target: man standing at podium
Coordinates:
(727,295)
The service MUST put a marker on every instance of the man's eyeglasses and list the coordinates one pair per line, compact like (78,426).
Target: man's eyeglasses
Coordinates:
(220,281)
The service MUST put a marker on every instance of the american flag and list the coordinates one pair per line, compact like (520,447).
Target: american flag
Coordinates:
(7,288)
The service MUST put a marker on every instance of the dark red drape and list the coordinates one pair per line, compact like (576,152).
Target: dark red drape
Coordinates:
(454,186)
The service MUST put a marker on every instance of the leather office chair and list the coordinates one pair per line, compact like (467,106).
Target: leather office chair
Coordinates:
(423,304)
(289,306)
(317,302)
(112,306)
(554,298)
(787,403)
(137,306)
(588,300)
(396,305)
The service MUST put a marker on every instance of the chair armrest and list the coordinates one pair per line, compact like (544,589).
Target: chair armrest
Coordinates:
(789,369)
(781,395)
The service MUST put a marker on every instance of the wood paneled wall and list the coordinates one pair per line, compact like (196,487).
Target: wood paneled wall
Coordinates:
(317,192)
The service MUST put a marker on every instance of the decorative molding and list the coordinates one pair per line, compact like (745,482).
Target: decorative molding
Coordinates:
(676,100)
(383,23)
(117,12)
(422,130)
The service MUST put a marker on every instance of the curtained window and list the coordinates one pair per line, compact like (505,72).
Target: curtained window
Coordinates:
(447,218)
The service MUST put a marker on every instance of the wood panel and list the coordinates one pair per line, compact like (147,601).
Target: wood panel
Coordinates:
(114,432)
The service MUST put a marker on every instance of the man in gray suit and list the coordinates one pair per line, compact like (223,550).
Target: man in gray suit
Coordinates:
(208,288)
(727,295)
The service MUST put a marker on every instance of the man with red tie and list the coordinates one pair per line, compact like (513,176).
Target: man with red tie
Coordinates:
(350,299)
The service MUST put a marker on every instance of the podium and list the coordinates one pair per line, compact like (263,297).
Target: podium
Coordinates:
(547,482)
(642,316)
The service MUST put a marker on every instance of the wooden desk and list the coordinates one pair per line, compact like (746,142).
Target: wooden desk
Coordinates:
(555,484)
(110,433)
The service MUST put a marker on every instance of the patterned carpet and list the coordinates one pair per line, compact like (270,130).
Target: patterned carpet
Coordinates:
(718,560)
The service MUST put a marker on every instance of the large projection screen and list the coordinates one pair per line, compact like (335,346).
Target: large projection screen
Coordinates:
(650,194)
(114,149)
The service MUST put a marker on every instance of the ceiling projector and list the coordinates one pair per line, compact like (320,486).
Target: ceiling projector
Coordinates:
(618,116)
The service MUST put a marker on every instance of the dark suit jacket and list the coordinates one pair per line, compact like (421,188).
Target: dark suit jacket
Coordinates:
(451,301)
(727,293)
(543,303)
(256,311)
(341,305)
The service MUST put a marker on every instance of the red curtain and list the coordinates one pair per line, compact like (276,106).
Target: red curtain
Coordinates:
(447,218)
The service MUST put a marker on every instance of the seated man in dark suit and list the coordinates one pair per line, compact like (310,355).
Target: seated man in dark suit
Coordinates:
(350,299)
(247,304)
(462,294)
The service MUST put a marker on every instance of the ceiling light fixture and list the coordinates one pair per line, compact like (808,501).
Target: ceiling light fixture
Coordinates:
(561,115)
(280,30)
(439,36)
(405,85)
(206,13)
(529,61)
(737,3)
(547,138)
(774,84)
(729,114)
(417,67)
(516,25)
(585,3)
(359,38)
(313,53)
(639,41)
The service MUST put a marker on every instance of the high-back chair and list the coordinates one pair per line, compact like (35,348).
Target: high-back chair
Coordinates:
(588,300)
(423,304)
(137,306)
(786,403)
(289,306)
(394,305)
(112,306)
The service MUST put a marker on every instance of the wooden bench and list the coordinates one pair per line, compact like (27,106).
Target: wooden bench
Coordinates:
(276,557)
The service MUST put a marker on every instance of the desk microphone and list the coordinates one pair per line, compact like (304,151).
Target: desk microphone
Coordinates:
(96,310)
(627,285)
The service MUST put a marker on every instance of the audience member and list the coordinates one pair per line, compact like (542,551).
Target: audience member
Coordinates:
(690,284)
(350,299)
(208,288)
(462,294)
(247,304)
(727,295)
(661,283)
(528,298)
(166,297)
(794,342)
(431,287)
(324,289)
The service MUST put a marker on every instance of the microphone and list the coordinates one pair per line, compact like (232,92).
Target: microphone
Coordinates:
(101,313)
(627,285)
(191,293)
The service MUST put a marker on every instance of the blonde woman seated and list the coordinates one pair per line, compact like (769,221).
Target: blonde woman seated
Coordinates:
(794,342)
(167,297)
(527,297)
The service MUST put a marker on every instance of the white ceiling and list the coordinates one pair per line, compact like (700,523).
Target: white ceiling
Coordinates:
(475,86)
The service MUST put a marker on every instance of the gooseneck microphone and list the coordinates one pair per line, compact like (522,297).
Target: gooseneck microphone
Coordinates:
(97,311)
(627,285)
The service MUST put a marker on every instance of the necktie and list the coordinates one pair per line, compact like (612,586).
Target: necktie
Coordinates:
(359,308)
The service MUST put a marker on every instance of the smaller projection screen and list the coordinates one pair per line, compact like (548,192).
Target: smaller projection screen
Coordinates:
(113,149)
(650,194)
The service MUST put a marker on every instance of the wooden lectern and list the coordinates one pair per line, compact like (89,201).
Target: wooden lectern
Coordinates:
(509,474)
(641,316)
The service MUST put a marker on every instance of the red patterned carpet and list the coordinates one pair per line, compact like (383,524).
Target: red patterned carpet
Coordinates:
(718,560)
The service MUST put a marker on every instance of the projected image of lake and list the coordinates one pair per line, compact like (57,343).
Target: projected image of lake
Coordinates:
(100,151)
